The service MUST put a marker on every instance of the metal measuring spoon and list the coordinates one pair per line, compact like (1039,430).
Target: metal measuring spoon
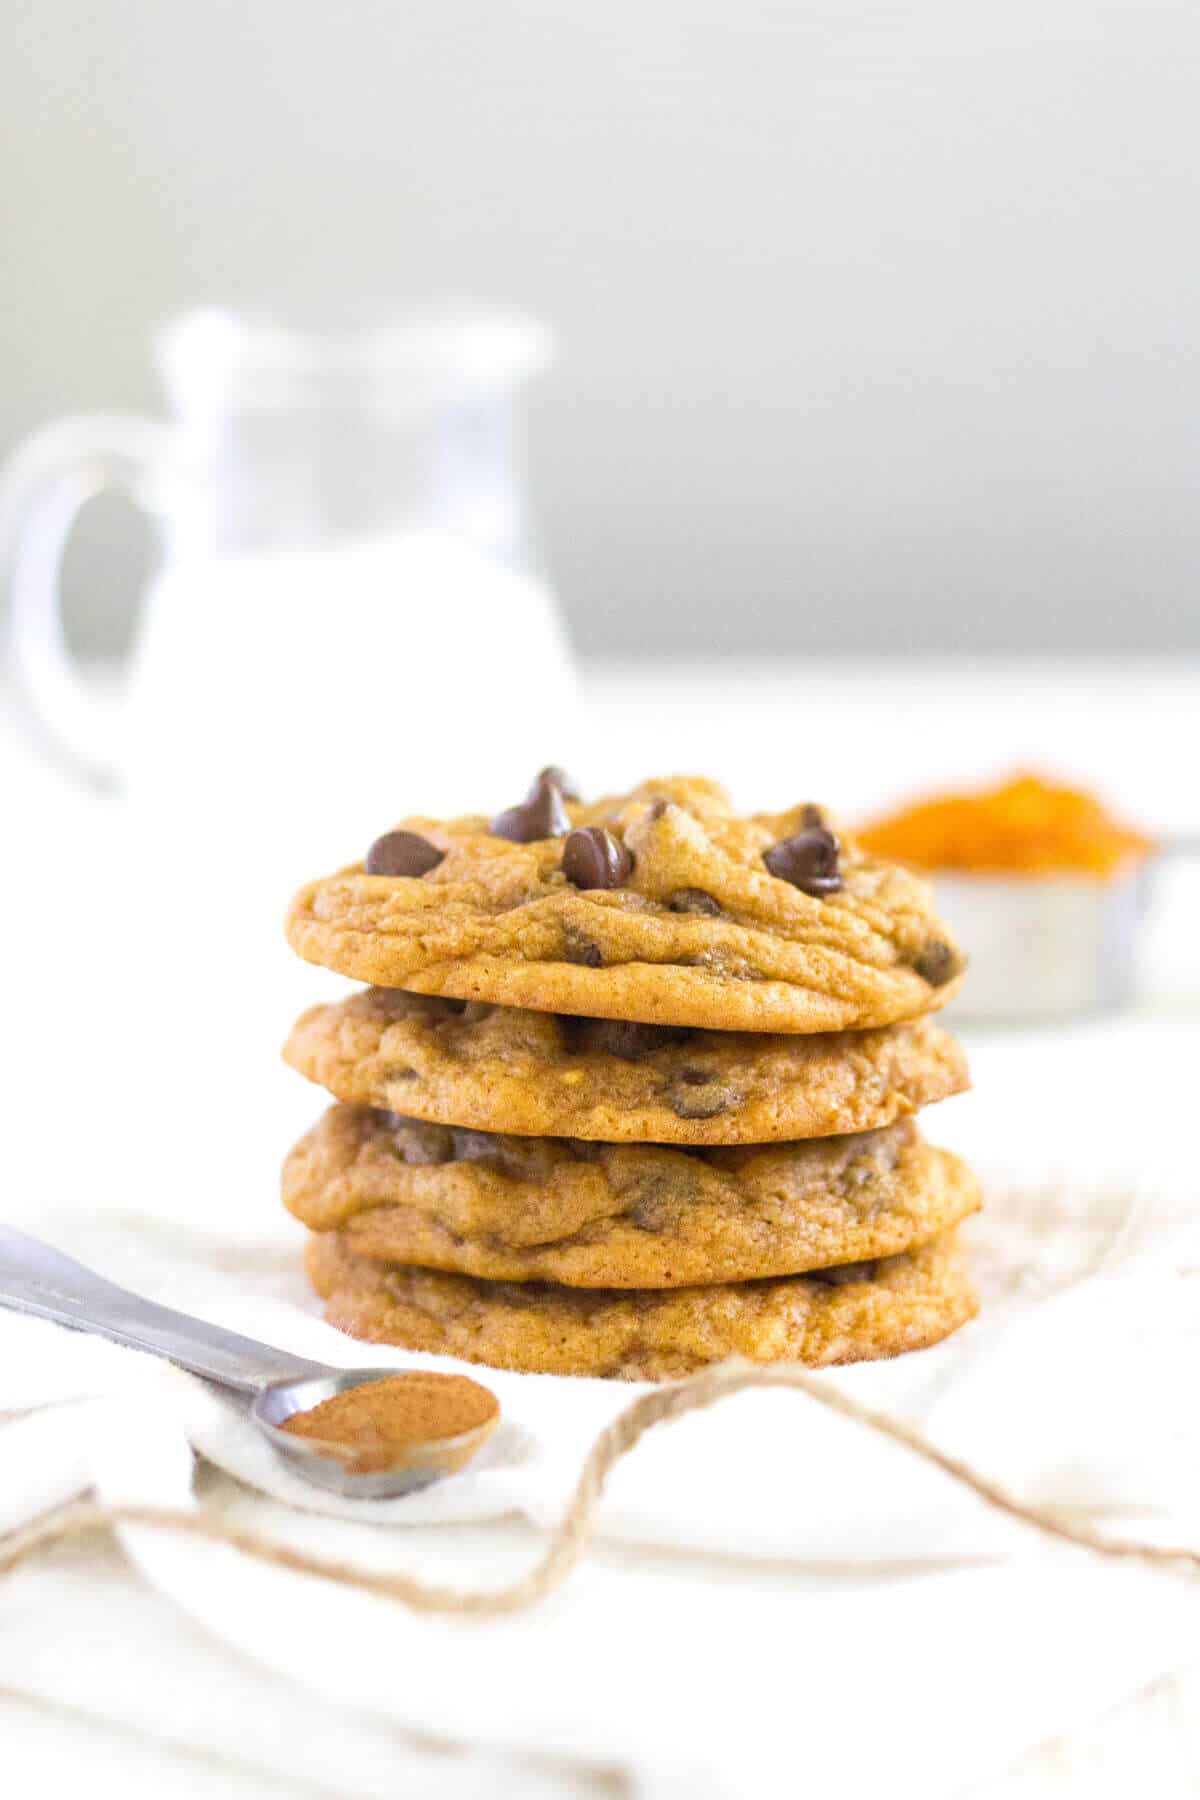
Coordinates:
(34,1278)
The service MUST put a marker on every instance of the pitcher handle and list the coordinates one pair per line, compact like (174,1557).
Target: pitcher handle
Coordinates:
(42,489)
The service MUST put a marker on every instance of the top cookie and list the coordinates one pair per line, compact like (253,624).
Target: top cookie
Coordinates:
(661,906)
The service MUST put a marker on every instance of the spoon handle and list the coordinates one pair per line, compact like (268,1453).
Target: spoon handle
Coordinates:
(34,1278)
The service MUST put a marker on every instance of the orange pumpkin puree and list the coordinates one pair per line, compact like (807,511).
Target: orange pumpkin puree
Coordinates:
(1024,826)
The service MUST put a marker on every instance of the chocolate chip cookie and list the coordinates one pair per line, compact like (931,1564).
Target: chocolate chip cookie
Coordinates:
(873,1310)
(506,1069)
(661,906)
(588,1214)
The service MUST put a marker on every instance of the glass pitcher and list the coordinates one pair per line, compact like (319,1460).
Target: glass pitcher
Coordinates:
(348,627)
(347,611)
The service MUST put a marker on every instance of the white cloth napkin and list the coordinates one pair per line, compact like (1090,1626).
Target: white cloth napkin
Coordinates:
(852,1578)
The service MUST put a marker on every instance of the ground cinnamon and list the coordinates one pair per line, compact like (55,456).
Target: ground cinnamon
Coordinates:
(1026,825)
(379,1424)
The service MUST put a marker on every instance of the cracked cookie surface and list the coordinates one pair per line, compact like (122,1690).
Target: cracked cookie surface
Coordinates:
(902,1303)
(594,1215)
(507,1069)
(700,932)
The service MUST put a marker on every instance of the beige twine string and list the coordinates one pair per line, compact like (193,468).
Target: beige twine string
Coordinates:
(571,1537)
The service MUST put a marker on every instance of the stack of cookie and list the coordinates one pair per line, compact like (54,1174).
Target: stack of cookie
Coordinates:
(633,1090)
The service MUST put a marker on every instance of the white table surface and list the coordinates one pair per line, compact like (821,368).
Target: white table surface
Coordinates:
(852,733)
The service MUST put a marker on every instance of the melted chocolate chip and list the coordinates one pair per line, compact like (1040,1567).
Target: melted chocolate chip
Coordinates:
(694,900)
(475,1146)
(843,1274)
(422,1144)
(402,853)
(936,963)
(594,858)
(541,815)
(560,779)
(811,815)
(620,1037)
(809,861)
(653,1211)
(579,949)
(695,1094)
(587,954)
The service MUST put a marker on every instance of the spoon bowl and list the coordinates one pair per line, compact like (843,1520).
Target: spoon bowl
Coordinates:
(328,1465)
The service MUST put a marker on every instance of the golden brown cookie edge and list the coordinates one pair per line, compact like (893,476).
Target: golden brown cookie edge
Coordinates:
(720,1241)
(560,1103)
(917,1301)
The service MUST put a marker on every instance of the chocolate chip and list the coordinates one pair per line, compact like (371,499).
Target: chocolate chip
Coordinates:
(594,858)
(422,1144)
(402,853)
(936,963)
(620,1037)
(658,807)
(541,815)
(694,900)
(579,949)
(811,815)
(559,777)
(653,1211)
(475,1146)
(695,1094)
(843,1274)
(809,861)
